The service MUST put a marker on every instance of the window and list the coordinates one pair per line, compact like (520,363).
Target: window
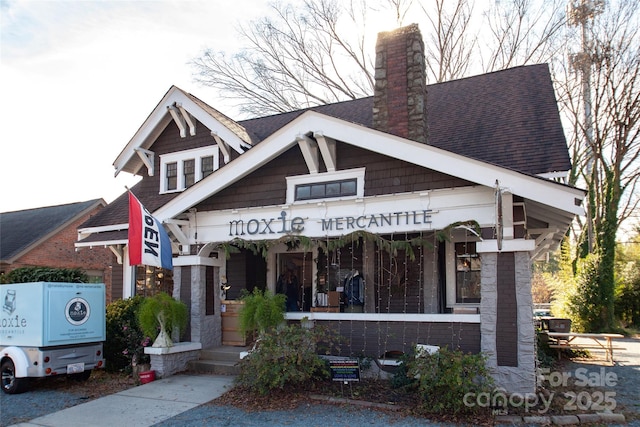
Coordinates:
(183,169)
(189,170)
(339,185)
(326,190)
(172,176)
(95,276)
(206,166)
(467,273)
(153,280)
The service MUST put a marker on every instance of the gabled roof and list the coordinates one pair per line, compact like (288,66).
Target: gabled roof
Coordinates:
(507,118)
(480,128)
(21,231)
(543,191)
(179,105)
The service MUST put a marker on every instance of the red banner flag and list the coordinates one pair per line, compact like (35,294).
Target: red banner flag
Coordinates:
(149,243)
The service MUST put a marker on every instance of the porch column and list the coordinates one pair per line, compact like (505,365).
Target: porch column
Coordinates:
(199,283)
(506,314)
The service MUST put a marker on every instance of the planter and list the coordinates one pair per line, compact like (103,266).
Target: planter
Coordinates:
(230,312)
(147,376)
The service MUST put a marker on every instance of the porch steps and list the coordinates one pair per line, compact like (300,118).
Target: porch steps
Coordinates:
(221,360)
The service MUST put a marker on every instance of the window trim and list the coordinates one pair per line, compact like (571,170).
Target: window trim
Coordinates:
(179,157)
(451,280)
(323,178)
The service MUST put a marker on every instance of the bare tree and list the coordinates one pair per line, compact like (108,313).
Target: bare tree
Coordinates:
(295,58)
(522,32)
(450,42)
(606,142)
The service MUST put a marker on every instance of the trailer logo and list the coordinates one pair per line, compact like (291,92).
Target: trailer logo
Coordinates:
(9,305)
(77,311)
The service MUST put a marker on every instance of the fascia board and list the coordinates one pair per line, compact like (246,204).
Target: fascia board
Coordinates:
(538,189)
(100,243)
(212,123)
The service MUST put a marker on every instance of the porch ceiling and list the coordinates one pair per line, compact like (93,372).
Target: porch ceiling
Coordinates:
(547,225)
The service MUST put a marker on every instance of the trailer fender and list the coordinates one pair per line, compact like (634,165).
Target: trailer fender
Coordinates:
(19,358)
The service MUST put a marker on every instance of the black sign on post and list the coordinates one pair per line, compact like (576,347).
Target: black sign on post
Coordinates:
(345,370)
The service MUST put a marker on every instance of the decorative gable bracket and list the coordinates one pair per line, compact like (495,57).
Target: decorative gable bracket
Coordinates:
(174,226)
(147,158)
(312,147)
(328,150)
(183,119)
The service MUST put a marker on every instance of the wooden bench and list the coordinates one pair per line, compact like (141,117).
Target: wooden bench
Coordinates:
(565,341)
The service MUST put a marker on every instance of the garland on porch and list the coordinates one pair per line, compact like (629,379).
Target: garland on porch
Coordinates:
(391,246)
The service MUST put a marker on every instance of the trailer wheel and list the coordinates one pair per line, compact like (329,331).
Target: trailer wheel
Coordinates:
(11,384)
(82,376)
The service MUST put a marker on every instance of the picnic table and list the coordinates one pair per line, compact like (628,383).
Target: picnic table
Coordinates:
(565,340)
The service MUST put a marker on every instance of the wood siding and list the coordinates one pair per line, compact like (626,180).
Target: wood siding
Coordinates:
(384,175)
(370,338)
(506,322)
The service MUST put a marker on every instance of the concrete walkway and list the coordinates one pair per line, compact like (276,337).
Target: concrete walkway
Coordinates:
(141,406)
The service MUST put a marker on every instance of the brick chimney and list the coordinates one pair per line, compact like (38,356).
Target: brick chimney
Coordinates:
(400,95)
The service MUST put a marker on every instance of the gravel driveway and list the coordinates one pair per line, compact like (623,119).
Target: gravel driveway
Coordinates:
(40,401)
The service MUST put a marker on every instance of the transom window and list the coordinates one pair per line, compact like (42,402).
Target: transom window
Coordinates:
(325,190)
(183,169)
(347,184)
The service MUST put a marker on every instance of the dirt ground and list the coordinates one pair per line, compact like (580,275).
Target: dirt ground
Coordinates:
(580,385)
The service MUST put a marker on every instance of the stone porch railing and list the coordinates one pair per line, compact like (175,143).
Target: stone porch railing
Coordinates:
(167,361)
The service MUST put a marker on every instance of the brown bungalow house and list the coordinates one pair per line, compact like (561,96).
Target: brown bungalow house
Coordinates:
(410,217)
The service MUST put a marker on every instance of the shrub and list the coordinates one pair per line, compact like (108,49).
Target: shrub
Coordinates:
(262,311)
(286,356)
(445,377)
(162,311)
(627,303)
(587,305)
(125,340)
(46,274)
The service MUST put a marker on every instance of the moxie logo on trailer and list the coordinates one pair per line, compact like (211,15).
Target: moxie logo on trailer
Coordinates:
(9,306)
(77,311)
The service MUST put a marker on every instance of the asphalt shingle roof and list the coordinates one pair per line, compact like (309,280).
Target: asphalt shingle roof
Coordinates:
(507,118)
(21,229)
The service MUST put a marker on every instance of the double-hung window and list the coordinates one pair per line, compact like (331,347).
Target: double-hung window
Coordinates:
(467,273)
(181,170)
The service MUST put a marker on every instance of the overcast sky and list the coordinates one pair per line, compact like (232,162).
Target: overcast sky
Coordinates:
(78,78)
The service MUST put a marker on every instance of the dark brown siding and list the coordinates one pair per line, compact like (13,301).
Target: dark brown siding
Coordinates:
(116,282)
(376,338)
(209,291)
(507,323)
(384,175)
(245,271)
(185,297)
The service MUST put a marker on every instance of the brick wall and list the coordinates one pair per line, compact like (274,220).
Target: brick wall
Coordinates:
(59,251)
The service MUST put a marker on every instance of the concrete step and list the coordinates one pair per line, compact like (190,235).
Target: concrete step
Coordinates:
(214,367)
(223,353)
(221,360)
